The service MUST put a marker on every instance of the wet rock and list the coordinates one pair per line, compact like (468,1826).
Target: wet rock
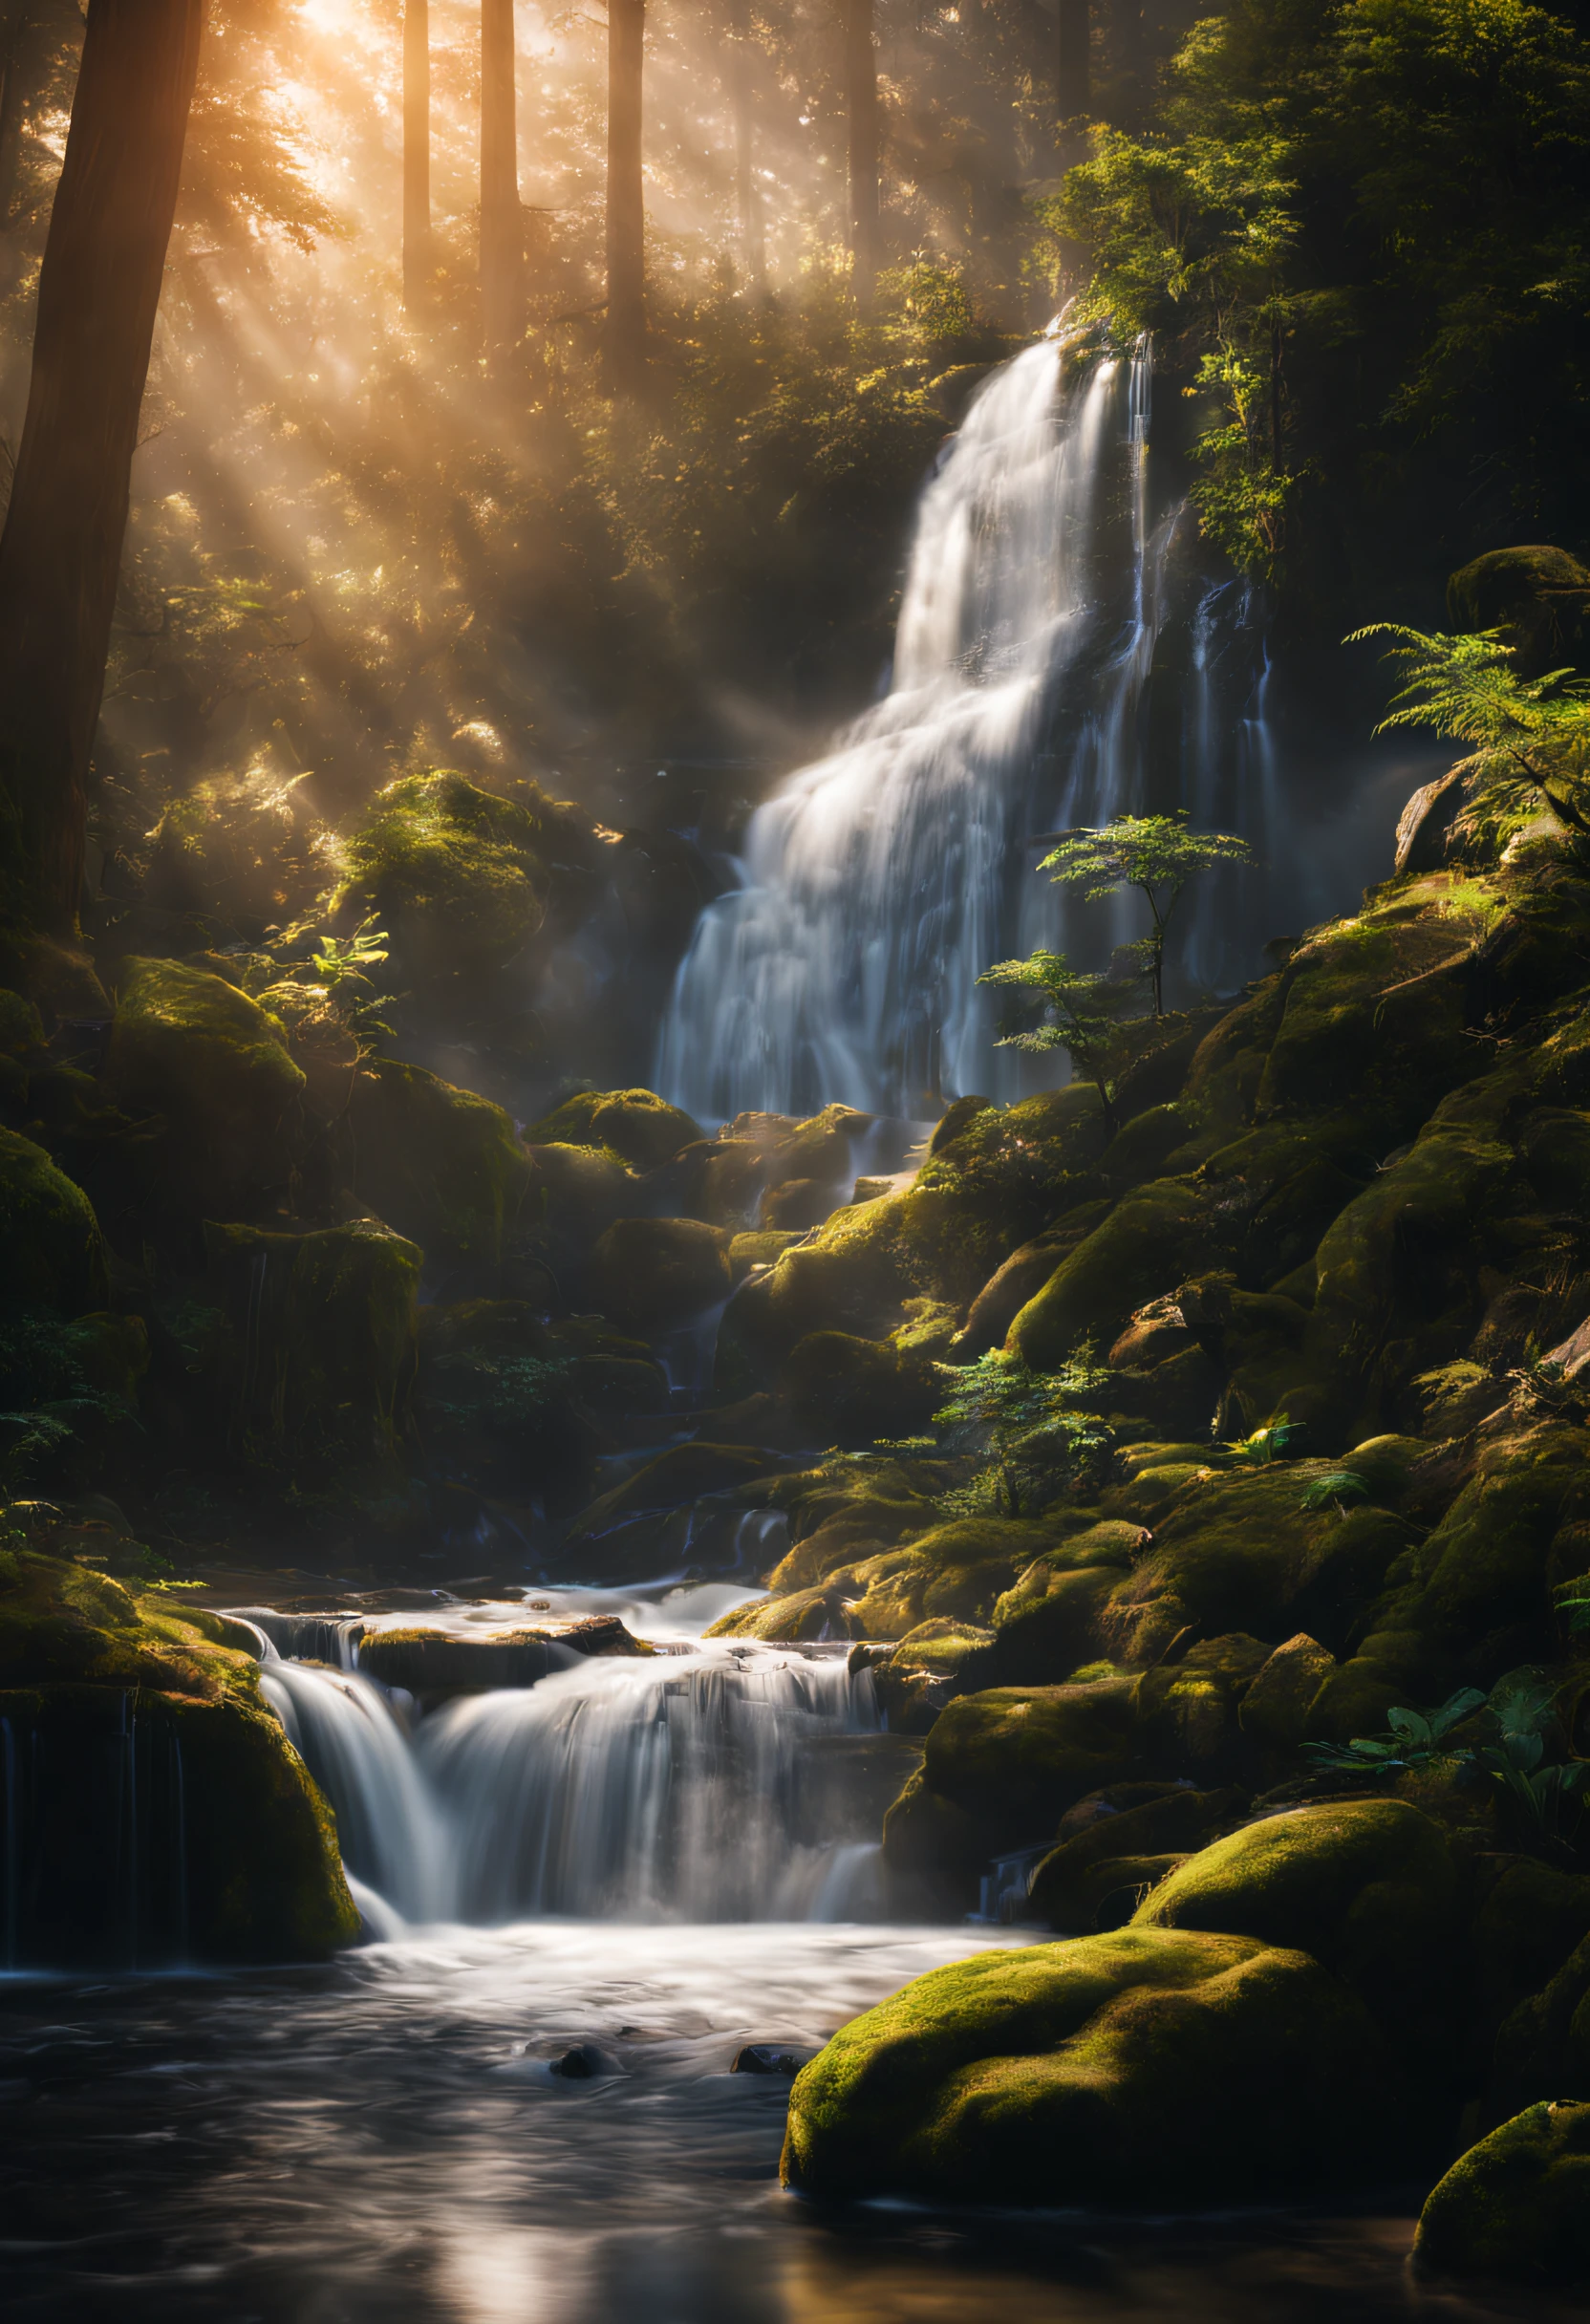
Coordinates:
(637,1124)
(652,1275)
(51,1251)
(1148,2068)
(438,1165)
(584,2062)
(1084,1884)
(768,2058)
(846,1390)
(1425,824)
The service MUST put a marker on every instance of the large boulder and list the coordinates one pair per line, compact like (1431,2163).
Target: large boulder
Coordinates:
(1149,2067)
(164,1815)
(193,1048)
(653,1275)
(51,1251)
(637,1124)
(1515,2208)
(323,1342)
(438,1164)
(1370,1887)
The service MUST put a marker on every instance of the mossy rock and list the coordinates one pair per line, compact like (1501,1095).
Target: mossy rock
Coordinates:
(1048,1622)
(195,1050)
(436,1663)
(324,1342)
(847,1391)
(804,1615)
(1539,597)
(654,1275)
(1371,1885)
(1189,1709)
(577,1192)
(1011,1760)
(438,1164)
(1275,1710)
(942,1645)
(1531,1919)
(461,878)
(956,1571)
(1073,1883)
(141,1715)
(21,1031)
(644,1528)
(1515,2208)
(1544,2045)
(51,1251)
(1150,1239)
(1147,2067)
(637,1124)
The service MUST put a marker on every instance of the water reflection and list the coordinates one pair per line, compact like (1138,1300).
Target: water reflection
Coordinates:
(383,2140)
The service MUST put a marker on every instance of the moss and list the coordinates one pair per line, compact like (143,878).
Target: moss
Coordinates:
(433,1663)
(1187,1711)
(1539,597)
(1016,1757)
(438,1164)
(954,1571)
(21,1028)
(461,878)
(141,1721)
(1275,1707)
(1370,1887)
(51,1251)
(652,1275)
(324,1340)
(942,1644)
(1150,1239)
(640,1128)
(1074,1881)
(1517,2207)
(1048,1623)
(1530,1919)
(194,1049)
(577,1192)
(1146,2068)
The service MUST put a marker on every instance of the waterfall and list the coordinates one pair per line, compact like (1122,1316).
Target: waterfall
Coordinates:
(878,884)
(681,1787)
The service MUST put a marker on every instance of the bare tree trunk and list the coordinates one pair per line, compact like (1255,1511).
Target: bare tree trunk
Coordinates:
(60,552)
(625,348)
(1073,73)
(861,99)
(747,200)
(417,153)
(502,226)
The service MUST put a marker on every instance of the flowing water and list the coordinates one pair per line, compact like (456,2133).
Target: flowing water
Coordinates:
(1061,657)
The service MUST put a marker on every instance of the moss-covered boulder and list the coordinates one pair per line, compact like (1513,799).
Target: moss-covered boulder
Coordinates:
(464,879)
(1050,1621)
(1094,1879)
(1000,1769)
(682,1511)
(637,1124)
(653,1275)
(164,1815)
(1147,2067)
(1151,1239)
(1372,1886)
(1515,2208)
(191,1047)
(438,1164)
(1275,1710)
(323,1343)
(1538,596)
(1189,1706)
(51,1252)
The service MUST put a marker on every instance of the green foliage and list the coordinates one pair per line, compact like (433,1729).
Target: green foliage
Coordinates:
(1412,1738)
(54,1409)
(1273,1442)
(1531,736)
(1081,1022)
(1157,856)
(1344,1489)
(1032,1443)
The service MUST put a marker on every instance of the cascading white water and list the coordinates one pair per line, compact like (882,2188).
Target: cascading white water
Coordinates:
(665,1788)
(880,883)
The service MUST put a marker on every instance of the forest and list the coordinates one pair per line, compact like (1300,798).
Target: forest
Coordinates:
(794,1160)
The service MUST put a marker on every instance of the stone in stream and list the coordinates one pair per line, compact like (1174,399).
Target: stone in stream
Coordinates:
(584,2062)
(769,2057)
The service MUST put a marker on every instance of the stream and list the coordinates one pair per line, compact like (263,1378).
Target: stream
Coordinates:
(632,1885)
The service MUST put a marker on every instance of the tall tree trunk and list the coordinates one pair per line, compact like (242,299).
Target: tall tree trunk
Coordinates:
(502,226)
(861,100)
(417,153)
(747,200)
(1073,73)
(60,552)
(625,349)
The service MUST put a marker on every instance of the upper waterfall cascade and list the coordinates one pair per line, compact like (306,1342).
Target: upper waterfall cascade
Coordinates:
(1045,600)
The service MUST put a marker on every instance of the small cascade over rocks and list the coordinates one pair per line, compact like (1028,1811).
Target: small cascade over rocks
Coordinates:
(1060,659)
(675,1787)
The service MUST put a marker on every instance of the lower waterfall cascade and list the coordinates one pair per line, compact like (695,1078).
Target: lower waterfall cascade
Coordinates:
(663,1788)
(1061,657)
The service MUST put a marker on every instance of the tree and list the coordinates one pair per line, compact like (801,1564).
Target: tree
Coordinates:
(861,103)
(1080,1020)
(1531,735)
(417,152)
(1157,856)
(625,348)
(502,223)
(747,201)
(60,552)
